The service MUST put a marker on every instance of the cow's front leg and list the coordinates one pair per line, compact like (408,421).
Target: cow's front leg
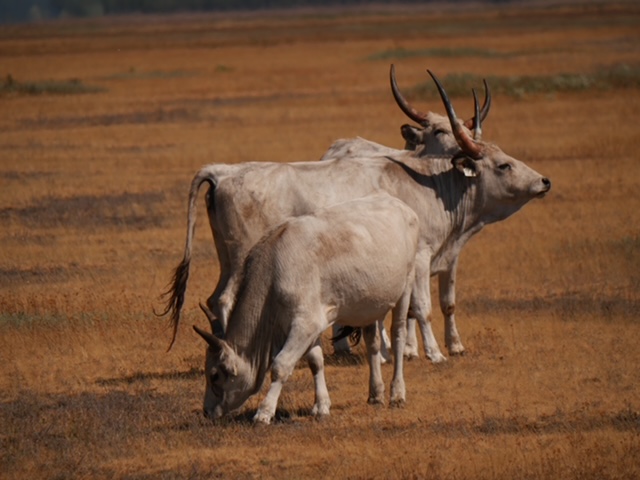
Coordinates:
(303,335)
(376,385)
(316,364)
(267,409)
(447,287)
(421,310)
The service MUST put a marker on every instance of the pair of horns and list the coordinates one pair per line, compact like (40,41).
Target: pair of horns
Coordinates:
(466,143)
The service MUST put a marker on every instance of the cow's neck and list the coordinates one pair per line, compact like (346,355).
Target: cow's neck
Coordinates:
(447,202)
(447,199)
(255,328)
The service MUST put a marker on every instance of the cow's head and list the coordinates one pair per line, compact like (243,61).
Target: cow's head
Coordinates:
(228,375)
(434,136)
(503,183)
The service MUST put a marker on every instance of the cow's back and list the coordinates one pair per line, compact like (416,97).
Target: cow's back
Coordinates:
(353,259)
(249,203)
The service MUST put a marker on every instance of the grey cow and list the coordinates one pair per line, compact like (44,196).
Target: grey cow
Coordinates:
(433,137)
(348,263)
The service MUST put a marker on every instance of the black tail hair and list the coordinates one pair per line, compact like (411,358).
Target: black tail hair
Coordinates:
(175,297)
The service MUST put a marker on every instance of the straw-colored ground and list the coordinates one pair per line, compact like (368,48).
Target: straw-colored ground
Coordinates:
(92,220)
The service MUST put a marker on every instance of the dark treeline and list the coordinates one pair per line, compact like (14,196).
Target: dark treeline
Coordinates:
(29,10)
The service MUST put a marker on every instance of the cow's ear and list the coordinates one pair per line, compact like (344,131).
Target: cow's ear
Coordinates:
(467,166)
(411,135)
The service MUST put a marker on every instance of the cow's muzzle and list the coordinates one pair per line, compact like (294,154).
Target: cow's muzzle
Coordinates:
(546,186)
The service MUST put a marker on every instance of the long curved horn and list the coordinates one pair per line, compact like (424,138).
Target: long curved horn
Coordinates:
(486,106)
(214,342)
(465,142)
(477,130)
(409,111)
(484,111)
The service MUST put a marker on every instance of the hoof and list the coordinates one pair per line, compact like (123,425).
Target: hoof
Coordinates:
(460,353)
(261,418)
(320,411)
(437,358)
(411,352)
(322,418)
(397,403)
(456,349)
(375,401)
(410,355)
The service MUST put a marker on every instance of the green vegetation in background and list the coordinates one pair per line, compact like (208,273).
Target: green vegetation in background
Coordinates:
(404,53)
(134,73)
(51,87)
(460,84)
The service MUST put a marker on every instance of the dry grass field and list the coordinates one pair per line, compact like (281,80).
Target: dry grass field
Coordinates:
(103,124)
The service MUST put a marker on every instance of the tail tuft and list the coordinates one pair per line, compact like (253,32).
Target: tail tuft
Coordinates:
(175,297)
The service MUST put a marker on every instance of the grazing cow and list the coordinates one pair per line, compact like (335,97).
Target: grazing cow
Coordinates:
(349,263)
(454,196)
(435,137)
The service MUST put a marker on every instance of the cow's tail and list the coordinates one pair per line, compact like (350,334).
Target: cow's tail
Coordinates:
(178,285)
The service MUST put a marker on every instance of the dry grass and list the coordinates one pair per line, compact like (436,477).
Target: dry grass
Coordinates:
(92,214)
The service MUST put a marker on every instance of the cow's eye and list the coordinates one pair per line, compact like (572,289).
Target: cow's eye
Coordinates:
(439,131)
(504,167)
(217,390)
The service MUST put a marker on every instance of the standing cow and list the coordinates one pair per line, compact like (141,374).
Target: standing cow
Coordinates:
(454,196)
(349,263)
(434,137)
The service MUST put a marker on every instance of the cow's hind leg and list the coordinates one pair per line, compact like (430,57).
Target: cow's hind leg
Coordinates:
(421,310)
(376,385)
(220,312)
(385,343)
(316,364)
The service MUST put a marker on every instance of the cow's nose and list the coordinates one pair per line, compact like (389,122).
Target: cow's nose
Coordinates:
(547,183)
(213,413)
